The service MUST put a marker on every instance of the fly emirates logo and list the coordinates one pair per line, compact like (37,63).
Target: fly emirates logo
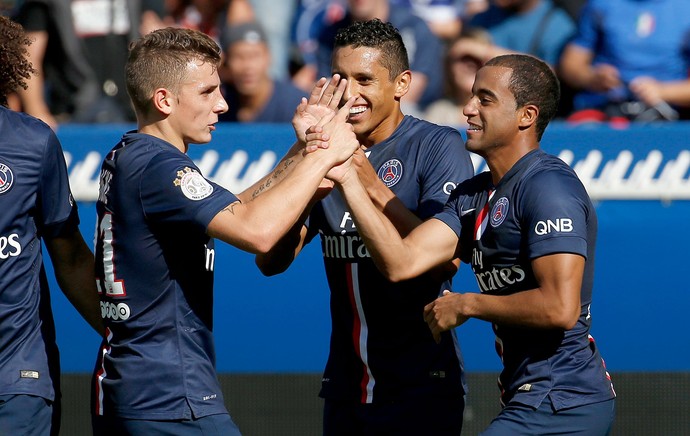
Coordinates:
(496,278)
(344,246)
(10,246)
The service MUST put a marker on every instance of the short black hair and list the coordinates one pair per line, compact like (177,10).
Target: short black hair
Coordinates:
(532,82)
(377,34)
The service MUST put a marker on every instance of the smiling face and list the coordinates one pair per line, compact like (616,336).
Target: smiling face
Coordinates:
(196,104)
(376,111)
(492,112)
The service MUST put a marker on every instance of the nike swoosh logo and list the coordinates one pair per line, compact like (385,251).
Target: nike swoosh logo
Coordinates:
(465,212)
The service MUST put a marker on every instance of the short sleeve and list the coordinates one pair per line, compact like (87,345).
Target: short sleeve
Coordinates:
(174,190)
(554,214)
(447,164)
(57,208)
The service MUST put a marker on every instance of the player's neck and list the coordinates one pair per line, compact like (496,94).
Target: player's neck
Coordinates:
(501,159)
(382,131)
(166,133)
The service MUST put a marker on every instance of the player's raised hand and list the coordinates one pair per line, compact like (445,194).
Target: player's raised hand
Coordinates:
(335,130)
(323,100)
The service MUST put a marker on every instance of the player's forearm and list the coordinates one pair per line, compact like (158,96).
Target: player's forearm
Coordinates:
(395,210)
(380,236)
(259,224)
(273,177)
(529,309)
(73,263)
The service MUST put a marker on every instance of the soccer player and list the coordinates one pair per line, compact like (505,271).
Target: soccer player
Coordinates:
(385,373)
(528,229)
(37,205)
(157,215)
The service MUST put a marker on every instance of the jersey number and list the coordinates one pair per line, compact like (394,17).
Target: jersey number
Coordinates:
(113,286)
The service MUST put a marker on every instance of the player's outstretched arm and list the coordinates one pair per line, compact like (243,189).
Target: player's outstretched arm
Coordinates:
(430,244)
(322,103)
(259,224)
(73,263)
(394,209)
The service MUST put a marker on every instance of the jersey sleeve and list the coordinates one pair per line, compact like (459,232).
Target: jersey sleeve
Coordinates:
(174,190)
(57,208)
(447,164)
(449,215)
(553,211)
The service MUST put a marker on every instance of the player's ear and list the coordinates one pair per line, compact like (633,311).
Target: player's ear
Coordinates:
(528,115)
(402,83)
(163,100)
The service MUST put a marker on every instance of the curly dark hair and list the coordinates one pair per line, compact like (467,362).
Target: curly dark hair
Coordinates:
(377,34)
(15,67)
(532,82)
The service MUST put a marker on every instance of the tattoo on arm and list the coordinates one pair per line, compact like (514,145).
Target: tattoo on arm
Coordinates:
(275,176)
(230,208)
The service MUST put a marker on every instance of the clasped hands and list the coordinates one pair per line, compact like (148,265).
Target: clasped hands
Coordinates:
(320,124)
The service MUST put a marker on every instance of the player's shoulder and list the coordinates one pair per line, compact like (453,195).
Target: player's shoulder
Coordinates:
(474,185)
(26,129)
(545,166)
(426,131)
(548,175)
(145,155)
(139,144)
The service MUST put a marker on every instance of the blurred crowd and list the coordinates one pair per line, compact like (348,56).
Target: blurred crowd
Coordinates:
(619,61)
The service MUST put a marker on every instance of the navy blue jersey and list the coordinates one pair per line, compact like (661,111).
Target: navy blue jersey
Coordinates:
(381,348)
(539,207)
(36,202)
(154,270)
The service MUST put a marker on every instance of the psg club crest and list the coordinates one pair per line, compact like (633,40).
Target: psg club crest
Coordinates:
(6,178)
(193,184)
(499,212)
(391,172)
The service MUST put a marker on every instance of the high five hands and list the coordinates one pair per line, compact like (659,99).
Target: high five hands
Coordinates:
(323,101)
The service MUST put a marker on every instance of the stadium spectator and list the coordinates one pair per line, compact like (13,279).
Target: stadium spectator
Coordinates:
(251,93)
(444,17)
(64,85)
(540,28)
(630,60)
(37,206)
(310,17)
(425,50)
(80,53)
(276,18)
(528,229)
(470,8)
(157,215)
(536,27)
(385,374)
(459,75)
